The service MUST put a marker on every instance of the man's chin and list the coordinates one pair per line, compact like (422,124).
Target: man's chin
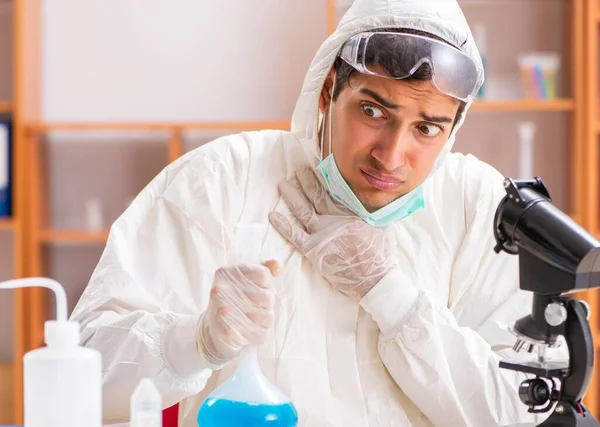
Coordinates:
(372,204)
(373,200)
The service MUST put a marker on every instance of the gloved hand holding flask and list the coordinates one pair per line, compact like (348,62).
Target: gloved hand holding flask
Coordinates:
(239,312)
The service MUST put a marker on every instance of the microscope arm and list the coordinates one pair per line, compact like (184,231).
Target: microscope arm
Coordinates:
(579,340)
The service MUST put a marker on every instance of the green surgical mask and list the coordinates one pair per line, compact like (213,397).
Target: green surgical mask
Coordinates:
(341,191)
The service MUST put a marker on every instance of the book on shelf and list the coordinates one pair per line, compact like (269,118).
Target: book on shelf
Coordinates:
(5,169)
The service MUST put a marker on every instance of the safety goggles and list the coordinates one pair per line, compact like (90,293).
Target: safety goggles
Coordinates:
(399,55)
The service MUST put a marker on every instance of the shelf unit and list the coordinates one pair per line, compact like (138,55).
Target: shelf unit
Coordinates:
(14,226)
(73,236)
(590,184)
(30,131)
(22,108)
(524,105)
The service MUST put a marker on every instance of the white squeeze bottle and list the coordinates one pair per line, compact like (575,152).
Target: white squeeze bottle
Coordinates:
(62,382)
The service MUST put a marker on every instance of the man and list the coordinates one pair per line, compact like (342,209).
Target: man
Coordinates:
(390,308)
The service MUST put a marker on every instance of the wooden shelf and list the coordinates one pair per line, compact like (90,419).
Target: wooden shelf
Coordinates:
(7,224)
(74,236)
(84,236)
(159,126)
(5,106)
(524,105)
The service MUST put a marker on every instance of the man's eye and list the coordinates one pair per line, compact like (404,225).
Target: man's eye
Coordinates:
(429,129)
(372,111)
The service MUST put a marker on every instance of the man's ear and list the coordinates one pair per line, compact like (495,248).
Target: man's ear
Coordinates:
(327,91)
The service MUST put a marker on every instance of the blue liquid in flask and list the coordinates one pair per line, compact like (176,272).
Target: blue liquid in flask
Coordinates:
(229,413)
(247,399)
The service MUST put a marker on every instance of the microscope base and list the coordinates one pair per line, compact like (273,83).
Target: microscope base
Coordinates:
(569,417)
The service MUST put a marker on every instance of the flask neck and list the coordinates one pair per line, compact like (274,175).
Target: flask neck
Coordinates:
(248,361)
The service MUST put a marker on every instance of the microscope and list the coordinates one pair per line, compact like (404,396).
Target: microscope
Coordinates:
(556,257)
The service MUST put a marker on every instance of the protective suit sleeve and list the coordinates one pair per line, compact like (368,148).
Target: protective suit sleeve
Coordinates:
(143,304)
(445,355)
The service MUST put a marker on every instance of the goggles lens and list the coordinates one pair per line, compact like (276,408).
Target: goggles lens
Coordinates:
(399,55)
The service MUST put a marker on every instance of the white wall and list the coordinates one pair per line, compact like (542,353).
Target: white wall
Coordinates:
(178,60)
(153,60)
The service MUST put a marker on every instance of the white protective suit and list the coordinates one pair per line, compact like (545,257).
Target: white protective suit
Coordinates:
(419,351)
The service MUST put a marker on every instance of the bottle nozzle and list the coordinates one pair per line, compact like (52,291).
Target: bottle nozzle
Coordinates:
(53,285)
(59,331)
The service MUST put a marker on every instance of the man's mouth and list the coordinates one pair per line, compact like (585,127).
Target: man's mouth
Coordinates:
(381,181)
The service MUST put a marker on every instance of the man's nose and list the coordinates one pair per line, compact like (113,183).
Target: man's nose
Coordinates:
(391,152)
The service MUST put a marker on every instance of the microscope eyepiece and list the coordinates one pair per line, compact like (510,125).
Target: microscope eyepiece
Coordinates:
(556,254)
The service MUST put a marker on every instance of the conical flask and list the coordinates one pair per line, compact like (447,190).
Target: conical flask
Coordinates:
(248,398)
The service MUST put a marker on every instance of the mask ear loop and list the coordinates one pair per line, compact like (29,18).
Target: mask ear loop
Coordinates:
(321,134)
(328,121)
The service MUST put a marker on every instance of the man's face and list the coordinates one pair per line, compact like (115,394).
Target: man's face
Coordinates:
(387,134)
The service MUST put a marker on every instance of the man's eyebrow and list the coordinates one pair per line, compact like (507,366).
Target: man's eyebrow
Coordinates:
(387,104)
(435,119)
(379,98)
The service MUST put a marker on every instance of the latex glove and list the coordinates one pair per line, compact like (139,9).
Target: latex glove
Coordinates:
(239,312)
(351,254)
